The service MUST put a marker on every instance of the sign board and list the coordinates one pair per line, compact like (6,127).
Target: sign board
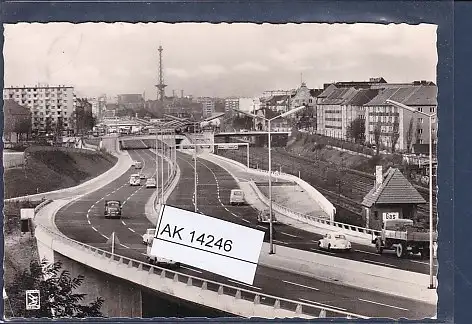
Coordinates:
(390,215)
(208,243)
(26,213)
(227,147)
(32,300)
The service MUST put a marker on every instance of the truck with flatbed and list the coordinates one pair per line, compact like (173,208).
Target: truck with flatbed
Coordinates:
(404,237)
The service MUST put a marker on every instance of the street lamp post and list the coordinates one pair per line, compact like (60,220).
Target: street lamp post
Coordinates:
(430,116)
(285,114)
(195,177)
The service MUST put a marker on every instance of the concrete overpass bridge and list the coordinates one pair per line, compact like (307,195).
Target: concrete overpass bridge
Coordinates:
(256,138)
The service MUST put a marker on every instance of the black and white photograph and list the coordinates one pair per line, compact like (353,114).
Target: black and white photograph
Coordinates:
(220,170)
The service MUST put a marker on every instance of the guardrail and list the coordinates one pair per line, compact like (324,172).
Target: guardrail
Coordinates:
(155,276)
(41,205)
(305,218)
(309,219)
(324,203)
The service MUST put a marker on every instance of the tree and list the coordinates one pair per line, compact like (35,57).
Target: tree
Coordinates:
(395,135)
(57,297)
(356,130)
(377,133)
(409,136)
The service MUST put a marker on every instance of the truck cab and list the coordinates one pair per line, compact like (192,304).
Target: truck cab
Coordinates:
(112,209)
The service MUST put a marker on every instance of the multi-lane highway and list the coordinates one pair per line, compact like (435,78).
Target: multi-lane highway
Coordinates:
(83,220)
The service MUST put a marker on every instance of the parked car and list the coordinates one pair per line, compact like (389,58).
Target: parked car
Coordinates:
(334,241)
(264,217)
(149,235)
(112,209)
(151,183)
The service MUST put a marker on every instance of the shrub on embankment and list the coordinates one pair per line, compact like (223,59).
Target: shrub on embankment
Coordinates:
(51,168)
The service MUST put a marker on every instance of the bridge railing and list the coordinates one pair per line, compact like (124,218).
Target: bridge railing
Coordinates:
(313,220)
(114,262)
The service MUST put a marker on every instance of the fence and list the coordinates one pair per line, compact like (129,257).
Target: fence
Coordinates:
(209,293)
(313,220)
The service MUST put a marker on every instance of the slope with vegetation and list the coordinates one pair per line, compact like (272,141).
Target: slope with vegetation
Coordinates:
(48,168)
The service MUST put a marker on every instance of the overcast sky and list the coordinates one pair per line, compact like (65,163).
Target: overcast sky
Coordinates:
(214,60)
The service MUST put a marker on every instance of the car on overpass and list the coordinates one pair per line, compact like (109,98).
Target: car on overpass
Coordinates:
(151,183)
(264,217)
(334,241)
(135,180)
(149,235)
(112,209)
(236,197)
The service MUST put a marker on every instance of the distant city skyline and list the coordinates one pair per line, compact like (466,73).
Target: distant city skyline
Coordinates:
(223,60)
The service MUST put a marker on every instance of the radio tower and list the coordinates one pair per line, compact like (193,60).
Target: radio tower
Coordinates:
(161,86)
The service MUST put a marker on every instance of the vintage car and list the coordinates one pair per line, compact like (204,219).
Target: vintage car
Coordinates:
(112,209)
(264,217)
(334,241)
(149,235)
(151,183)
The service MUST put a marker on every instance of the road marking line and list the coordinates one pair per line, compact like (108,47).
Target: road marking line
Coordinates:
(195,270)
(124,246)
(94,229)
(323,251)
(123,223)
(367,252)
(380,263)
(288,234)
(377,303)
(104,236)
(260,226)
(240,283)
(243,219)
(297,284)
(280,242)
(321,304)
(132,230)
(420,262)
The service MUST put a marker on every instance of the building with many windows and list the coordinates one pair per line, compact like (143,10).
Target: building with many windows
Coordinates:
(208,106)
(49,105)
(401,127)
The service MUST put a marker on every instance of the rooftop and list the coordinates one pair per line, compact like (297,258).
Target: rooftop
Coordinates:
(411,95)
(395,189)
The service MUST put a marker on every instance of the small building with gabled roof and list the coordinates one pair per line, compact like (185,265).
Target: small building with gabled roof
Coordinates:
(392,197)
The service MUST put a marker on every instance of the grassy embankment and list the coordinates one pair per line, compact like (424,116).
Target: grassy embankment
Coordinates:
(44,171)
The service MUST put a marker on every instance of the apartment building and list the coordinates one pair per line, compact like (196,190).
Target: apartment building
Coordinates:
(208,106)
(230,104)
(49,105)
(411,128)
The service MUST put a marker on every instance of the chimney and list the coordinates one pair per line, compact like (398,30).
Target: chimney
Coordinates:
(378,176)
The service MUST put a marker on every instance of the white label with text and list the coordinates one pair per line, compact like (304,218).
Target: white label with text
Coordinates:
(218,246)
